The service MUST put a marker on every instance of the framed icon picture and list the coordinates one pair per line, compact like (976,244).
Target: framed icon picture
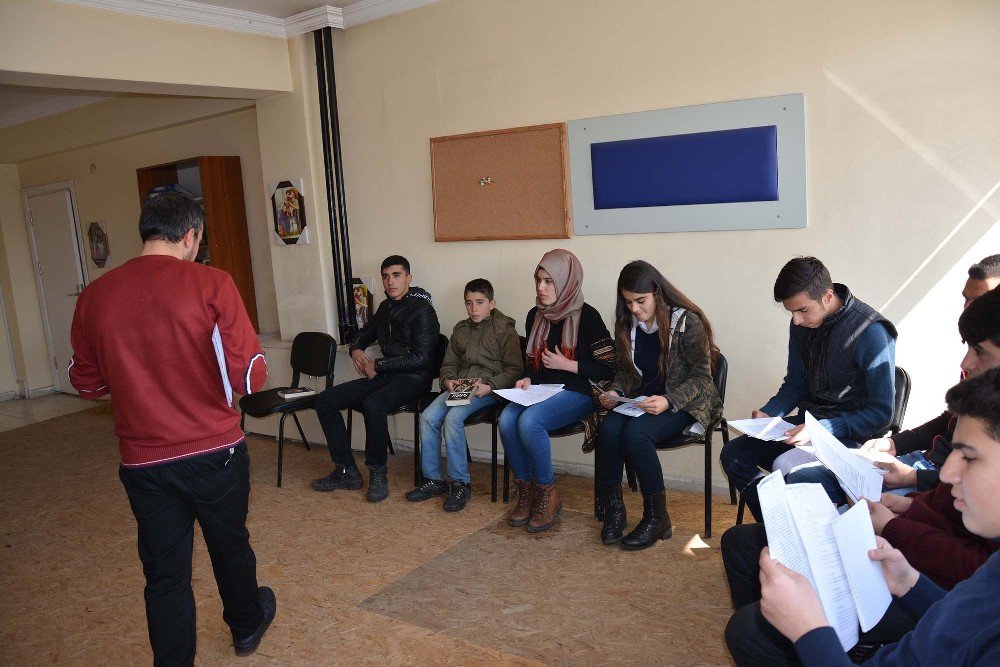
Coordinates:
(289,208)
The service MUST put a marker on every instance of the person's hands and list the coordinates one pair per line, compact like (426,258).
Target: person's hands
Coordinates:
(369,369)
(899,575)
(360,359)
(896,504)
(523,383)
(879,445)
(797,435)
(482,389)
(787,600)
(654,405)
(880,514)
(605,403)
(448,385)
(898,475)
(556,360)
(757,414)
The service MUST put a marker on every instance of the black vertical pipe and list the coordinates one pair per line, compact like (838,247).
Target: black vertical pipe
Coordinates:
(341,255)
(338,165)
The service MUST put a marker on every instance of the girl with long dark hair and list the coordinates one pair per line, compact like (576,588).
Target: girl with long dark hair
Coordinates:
(666,353)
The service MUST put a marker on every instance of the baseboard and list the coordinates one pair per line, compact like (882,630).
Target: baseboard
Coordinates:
(44,391)
(7,395)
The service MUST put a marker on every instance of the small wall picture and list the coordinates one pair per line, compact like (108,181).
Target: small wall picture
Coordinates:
(288,206)
(100,246)
(364,300)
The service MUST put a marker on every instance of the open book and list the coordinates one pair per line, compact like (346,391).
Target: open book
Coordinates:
(462,392)
(806,534)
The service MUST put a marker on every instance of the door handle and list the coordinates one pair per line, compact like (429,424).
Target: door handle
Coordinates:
(79,288)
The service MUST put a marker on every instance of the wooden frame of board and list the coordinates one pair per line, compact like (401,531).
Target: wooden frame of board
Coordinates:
(502,184)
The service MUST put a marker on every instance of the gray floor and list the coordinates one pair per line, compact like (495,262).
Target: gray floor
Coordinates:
(20,412)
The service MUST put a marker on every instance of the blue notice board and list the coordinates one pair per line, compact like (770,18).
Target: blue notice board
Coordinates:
(726,166)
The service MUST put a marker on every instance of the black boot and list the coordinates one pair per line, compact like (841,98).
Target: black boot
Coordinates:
(600,501)
(655,524)
(378,484)
(342,477)
(614,514)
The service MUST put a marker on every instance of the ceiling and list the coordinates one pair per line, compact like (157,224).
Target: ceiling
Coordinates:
(278,9)
(19,104)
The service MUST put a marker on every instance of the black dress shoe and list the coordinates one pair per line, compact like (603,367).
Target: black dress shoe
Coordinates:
(269,606)
(458,496)
(429,489)
(342,477)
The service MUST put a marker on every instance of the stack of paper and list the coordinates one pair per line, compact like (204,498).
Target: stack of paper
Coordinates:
(805,533)
(771,429)
(858,477)
(535,393)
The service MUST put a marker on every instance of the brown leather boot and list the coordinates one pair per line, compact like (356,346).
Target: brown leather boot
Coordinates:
(524,497)
(547,508)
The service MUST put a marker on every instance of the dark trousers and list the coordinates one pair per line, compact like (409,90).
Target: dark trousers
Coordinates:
(743,457)
(166,499)
(635,438)
(375,398)
(749,636)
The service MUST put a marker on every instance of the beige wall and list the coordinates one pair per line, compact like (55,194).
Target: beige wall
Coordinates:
(111,193)
(20,291)
(45,42)
(902,140)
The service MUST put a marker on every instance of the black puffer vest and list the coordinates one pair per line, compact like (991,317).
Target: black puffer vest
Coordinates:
(835,383)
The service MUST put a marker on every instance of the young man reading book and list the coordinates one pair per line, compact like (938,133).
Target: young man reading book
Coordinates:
(957,628)
(484,346)
(841,368)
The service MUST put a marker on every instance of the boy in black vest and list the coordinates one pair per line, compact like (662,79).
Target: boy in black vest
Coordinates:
(841,368)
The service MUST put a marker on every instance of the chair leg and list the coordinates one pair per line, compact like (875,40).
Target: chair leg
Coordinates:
(416,449)
(739,511)
(243,419)
(633,485)
(281,444)
(493,465)
(708,483)
(301,432)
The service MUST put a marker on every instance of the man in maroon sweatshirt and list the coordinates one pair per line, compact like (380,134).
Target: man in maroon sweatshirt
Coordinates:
(170,340)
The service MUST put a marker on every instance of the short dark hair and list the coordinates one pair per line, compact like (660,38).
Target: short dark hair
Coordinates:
(802,274)
(393,260)
(169,217)
(979,398)
(987,267)
(981,319)
(481,285)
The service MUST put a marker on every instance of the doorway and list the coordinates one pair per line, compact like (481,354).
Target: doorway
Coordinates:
(54,234)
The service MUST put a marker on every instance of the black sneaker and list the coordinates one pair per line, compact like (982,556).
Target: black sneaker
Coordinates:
(342,477)
(247,645)
(429,489)
(378,484)
(458,496)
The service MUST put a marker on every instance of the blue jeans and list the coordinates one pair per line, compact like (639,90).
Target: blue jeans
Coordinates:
(816,473)
(439,417)
(524,432)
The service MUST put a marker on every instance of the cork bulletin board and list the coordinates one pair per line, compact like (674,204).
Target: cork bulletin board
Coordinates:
(501,184)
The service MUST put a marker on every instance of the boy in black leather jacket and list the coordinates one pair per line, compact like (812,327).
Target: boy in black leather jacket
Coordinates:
(406,328)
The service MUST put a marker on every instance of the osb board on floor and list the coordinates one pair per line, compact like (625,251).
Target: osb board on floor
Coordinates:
(350,577)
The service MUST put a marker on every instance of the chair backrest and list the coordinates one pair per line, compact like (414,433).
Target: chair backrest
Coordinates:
(439,351)
(900,401)
(313,353)
(720,376)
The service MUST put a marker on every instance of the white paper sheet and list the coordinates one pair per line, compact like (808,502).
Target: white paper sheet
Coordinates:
(782,536)
(771,429)
(858,477)
(535,393)
(814,515)
(628,407)
(855,537)
(220,356)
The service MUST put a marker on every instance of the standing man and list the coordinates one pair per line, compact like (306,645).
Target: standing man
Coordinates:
(407,330)
(143,333)
(841,368)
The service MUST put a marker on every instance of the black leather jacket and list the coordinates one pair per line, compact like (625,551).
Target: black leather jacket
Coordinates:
(407,333)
